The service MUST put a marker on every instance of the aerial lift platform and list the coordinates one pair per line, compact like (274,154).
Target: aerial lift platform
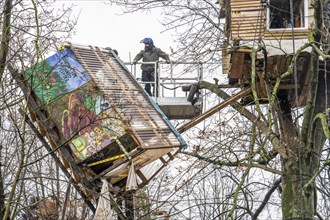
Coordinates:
(171,87)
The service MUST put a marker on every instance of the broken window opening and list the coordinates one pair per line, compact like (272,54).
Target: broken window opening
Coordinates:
(279,15)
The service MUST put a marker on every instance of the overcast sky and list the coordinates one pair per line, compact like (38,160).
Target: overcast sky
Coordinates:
(104,25)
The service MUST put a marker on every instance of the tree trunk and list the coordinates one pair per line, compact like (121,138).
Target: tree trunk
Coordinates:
(5,36)
(299,192)
(4,48)
(298,201)
(296,204)
(2,192)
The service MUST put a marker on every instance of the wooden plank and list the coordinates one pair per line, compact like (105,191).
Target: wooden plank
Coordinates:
(242,16)
(282,63)
(303,93)
(237,61)
(241,49)
(251,25)
(248,32)
(261,85)
(245,2)
(164,164)
(163,160)
(54,146)
(242,1)
(271,68)
(142,177)
(214,110)
(286,34)
(253,28)
(246,71)
(247,8)
(170,156)
(225,58)
(242,26)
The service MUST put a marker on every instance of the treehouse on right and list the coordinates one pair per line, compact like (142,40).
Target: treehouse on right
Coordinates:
(261,39)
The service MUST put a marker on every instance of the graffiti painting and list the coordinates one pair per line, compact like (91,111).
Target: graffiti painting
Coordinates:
(87,120)
(56,76)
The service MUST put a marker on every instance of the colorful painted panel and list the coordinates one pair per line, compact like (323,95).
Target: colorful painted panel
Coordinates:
(56,76)
(84,118)
(87,120)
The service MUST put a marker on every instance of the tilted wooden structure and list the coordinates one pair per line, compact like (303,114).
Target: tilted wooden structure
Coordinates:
(95,119)
(249,23)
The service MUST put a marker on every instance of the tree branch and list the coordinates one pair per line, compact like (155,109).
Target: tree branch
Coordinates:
(266,199)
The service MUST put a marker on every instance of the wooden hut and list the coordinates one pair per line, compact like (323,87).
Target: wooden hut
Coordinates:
(281,27)
(96,119)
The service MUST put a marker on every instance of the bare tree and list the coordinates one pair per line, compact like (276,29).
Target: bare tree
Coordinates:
(238,165)
(31,184)
(272,169)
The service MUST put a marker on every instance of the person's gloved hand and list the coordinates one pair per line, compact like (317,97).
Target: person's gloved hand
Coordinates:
(134,62)
(168,61)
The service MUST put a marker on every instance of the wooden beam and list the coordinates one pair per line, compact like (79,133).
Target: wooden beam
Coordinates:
(214,110)
(142,177)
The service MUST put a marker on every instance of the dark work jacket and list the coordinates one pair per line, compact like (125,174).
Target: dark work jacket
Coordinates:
(152,55)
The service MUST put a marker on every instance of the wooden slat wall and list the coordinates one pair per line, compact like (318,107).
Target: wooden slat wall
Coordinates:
(247,19)
(246,5)
(225,58)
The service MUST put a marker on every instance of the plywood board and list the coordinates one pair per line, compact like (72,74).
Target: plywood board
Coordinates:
(237,65)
